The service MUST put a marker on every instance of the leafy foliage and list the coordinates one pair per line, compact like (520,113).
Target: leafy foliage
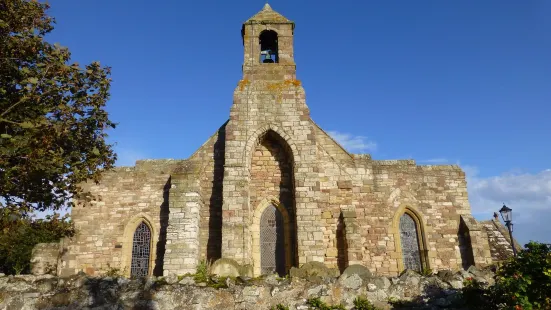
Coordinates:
(52,117)
(522,282)
(317,303)
(280,307)
(115,272)
(525,281)
(19,236)
(361,303)
(203,271)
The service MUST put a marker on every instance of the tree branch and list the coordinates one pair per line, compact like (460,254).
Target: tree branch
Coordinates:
(22,99)
(8,121)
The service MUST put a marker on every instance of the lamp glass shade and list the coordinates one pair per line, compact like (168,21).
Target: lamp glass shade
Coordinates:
(506,213)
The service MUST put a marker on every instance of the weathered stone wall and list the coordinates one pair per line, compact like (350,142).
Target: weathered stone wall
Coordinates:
(409,291)
(125,197)
(44,257)
(436,194)
(380,192)
(206,166)
(499,239)
(183,238)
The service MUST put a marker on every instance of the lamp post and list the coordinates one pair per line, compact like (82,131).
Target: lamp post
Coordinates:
(507,215)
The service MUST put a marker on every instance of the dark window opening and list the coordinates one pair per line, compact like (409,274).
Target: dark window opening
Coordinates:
(268,47)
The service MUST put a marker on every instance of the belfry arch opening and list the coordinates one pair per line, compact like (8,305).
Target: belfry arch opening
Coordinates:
(272,195)
(269,51)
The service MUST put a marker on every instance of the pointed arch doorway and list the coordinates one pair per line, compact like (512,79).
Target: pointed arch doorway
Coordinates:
(272,239)
(272,242)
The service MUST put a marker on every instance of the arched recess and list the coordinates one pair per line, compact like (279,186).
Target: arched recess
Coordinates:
(271,174)
(407,217)
(256,137)
(287,234)
(269,50)
(128,241)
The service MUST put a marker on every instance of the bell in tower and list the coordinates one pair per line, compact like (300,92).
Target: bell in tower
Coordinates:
(268,39)
(268,47)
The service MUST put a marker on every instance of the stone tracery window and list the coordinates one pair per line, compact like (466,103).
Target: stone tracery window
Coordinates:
(410,243)
(141,251)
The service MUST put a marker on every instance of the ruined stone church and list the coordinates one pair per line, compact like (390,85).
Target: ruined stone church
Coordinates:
(270,190)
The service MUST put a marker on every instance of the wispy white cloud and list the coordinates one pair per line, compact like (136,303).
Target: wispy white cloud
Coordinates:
(529,195)
(353,143)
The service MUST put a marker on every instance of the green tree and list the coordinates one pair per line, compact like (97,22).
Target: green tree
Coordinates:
(52,118)
(18,236)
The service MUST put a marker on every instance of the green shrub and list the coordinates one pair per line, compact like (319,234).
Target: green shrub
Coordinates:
(203,271)
(361,303)
(114,272)
(19,234)
(524,282)
(316,303)
(521,283)
(427,272)
(279,307)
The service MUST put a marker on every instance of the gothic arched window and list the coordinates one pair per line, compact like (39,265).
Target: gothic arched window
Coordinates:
(410,242)
(141,251)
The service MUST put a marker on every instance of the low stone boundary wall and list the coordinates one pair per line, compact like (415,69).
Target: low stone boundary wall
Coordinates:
(80,291)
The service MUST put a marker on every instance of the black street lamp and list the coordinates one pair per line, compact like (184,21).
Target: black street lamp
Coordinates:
(507,215)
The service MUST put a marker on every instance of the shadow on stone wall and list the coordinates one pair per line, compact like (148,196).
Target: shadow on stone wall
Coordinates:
(284,156)
(214,243)
(465,248)
(342,248)
(161,244)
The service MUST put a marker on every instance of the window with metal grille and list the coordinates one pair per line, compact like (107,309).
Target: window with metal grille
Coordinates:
(140,251)
(272,244)
(410,243)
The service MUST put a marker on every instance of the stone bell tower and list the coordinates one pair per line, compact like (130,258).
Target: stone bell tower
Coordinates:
(270,154)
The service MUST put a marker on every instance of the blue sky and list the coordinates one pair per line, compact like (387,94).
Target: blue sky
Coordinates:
(462,82)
